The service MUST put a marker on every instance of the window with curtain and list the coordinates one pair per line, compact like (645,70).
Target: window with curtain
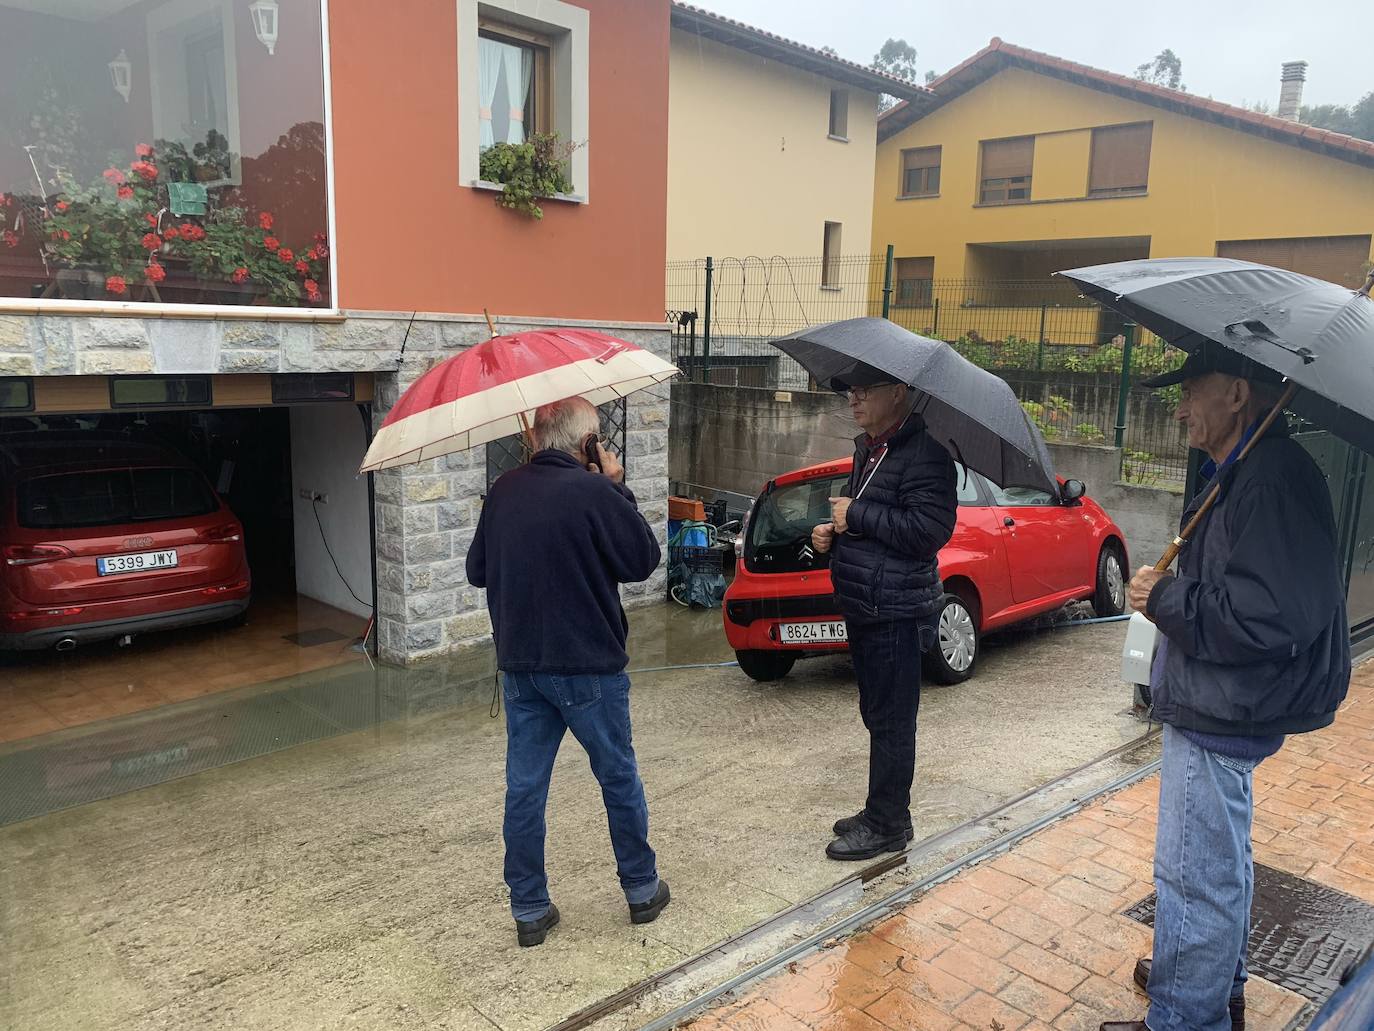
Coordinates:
(1120,160)
(921,172)
(514,82)
(915,279)
(1006,176)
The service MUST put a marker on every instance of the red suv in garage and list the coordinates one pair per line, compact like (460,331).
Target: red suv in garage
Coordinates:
(1015,554)
(104,537)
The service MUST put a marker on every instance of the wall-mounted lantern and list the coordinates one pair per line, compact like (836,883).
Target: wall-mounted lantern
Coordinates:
(122,75)
(265,23)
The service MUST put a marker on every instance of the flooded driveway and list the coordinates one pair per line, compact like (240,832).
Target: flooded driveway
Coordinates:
(338,861)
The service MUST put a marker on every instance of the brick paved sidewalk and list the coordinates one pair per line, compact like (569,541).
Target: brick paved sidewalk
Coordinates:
(1035,939)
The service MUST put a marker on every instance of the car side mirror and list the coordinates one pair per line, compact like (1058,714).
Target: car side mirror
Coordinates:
(1073,490)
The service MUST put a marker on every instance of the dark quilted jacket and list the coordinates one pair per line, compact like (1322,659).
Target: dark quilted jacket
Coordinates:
(1258,640)
(885,568)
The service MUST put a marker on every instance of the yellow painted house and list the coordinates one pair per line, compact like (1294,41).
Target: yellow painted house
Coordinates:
(1018,164)
(771,149)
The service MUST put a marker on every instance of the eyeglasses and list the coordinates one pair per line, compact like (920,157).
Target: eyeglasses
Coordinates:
(863,393)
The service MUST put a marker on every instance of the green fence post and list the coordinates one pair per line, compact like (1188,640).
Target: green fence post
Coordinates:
(1040,351)
(1124,390)
(935,325)
(706,326)
(887,282)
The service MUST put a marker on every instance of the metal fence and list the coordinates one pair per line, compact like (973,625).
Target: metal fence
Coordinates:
(1075,365)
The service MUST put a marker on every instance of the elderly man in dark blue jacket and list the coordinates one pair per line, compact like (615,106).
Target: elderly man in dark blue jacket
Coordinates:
(1254,646)
(885,534)
(555,540)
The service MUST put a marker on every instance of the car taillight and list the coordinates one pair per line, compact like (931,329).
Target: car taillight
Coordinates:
(24,617)
(32,554)
(225,588)
(227,532)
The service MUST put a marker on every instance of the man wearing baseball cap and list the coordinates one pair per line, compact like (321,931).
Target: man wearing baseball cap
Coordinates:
(1254,645)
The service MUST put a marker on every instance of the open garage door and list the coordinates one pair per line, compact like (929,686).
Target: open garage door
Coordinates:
(166,537)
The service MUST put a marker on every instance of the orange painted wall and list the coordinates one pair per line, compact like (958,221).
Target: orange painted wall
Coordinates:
(410,238)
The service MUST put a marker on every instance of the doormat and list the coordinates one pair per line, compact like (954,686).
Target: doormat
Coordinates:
(312,638)
(1303,935)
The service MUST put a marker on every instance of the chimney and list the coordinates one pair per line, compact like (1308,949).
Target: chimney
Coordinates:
(1290,90)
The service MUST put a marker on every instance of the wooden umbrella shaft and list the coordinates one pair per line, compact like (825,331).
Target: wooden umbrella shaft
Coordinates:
(1171,552)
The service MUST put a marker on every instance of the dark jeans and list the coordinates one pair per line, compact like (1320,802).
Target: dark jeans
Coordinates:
(887,661)
(596,708)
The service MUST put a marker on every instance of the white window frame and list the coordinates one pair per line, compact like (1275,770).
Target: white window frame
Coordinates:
(267,313)
(169,17)
(569,28)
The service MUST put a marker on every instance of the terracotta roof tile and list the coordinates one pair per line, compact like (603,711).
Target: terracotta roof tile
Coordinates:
(901,86)
(999,54)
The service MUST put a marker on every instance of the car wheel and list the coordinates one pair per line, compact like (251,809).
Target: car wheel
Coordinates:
(955,652)
(766,666)
(1110,597)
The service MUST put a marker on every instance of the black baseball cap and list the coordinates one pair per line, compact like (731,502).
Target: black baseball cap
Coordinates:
(1213,358)
(861,376)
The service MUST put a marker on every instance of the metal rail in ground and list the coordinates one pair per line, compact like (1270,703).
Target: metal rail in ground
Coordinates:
(852,888)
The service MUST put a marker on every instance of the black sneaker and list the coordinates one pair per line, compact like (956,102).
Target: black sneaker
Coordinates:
(863,842)
(647,912)
(533,932)
(846,824)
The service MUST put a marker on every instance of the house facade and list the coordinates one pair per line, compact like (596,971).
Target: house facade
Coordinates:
(248,227)
(1018,164)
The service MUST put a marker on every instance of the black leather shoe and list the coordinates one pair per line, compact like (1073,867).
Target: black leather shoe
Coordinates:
(863,842)
(846,824)
(533,932)
(1123,1025)
(647,912)
(1236,1004)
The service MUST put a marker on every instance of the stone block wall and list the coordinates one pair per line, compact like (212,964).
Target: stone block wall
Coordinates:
(426,515)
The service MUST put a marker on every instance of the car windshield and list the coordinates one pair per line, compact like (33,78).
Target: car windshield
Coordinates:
(109,497)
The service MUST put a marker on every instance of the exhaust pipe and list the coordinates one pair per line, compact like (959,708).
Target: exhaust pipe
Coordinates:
(67,644)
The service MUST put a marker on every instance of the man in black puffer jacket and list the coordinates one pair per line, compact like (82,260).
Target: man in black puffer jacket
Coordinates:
(885,534)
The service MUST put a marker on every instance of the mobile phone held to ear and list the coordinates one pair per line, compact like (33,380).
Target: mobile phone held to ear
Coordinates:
(591,448)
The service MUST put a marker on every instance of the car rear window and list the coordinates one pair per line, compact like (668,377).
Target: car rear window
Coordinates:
(108,497)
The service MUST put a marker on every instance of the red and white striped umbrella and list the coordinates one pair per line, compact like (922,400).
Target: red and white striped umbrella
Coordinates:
(492,391)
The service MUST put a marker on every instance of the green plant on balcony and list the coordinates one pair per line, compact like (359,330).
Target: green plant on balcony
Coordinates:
(122,229)
(1089,433)
(529,172)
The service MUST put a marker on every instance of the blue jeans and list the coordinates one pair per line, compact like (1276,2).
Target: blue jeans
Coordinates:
(1205,879)
(596,708)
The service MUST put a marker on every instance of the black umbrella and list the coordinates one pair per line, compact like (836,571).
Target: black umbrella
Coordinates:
(969,410)
(1317,334)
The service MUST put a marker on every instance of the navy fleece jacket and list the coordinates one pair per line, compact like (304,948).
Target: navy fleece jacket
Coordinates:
(553,544)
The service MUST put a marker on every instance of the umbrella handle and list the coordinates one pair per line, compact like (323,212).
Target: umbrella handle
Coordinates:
(490,324)
(1171,552)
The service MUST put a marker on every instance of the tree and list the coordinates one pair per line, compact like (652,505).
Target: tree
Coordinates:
(830,51)
(897,57)
(1165,69)
(1356,120)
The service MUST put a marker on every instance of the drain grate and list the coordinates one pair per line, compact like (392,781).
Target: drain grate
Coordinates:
(1303,935)
(314,637)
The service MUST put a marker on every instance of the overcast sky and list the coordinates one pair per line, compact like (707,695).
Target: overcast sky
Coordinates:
(1230,51)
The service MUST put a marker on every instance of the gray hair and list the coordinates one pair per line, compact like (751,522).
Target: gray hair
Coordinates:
(564,425)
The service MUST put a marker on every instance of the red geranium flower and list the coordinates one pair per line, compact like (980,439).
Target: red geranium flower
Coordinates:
(302,267)
(143,150)
(124,192)
(287,255)
(152,241)
(143,168)
(321,238)
(312,290)
(265,220)
(321,251)
(114,175)
(271,243)
(193,232)
(156,273)
(240,274)
(116,285)
(151,219)
(171,233)
(60,234)
(11,238)
(62,205)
